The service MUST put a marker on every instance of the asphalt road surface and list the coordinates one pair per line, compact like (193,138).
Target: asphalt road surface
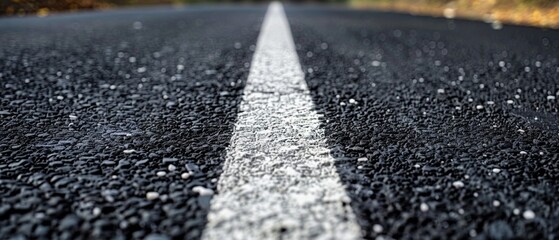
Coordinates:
(245,122)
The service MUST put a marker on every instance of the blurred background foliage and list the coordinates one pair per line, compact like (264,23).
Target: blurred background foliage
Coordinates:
(528,12)
(531,12)
(43,7)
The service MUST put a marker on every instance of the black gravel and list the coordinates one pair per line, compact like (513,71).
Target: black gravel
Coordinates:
(431,114)
(94,105)
(455,124)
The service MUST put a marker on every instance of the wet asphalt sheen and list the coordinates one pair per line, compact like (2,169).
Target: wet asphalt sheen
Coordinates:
(116,124)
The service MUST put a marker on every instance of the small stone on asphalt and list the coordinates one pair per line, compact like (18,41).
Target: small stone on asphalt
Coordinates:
(185,175)
(172,167)
(529,214)
(203,191)
(458,184)
(152,195)
(424,207)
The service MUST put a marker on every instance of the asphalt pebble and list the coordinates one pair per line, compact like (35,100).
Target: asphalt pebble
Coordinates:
(152,195)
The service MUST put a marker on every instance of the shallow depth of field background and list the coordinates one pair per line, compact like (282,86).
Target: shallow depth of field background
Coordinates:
(543,13)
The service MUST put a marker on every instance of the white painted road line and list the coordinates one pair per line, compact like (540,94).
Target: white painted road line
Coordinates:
(279,180)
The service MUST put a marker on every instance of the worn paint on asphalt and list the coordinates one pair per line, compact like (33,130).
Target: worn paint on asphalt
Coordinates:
(279,180)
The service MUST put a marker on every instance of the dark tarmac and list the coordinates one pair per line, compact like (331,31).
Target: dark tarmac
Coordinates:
(442,129)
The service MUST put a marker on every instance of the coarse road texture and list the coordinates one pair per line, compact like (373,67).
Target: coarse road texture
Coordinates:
(117,124)
(101,111)
(453,129)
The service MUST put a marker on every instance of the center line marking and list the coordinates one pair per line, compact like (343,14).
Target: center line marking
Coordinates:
(279,180)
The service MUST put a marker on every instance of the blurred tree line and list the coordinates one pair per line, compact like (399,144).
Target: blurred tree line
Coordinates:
(43,7)
(21,7)
(537,3)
